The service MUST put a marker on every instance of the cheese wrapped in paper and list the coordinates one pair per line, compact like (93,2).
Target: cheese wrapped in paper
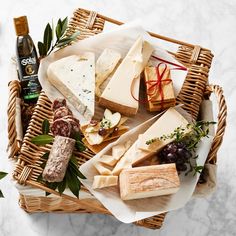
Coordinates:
(148,181)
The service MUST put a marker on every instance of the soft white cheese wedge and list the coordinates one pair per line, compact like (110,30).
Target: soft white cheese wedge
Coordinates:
(148,181)
(105,64)
(101,181)
(117,94)
(74,77)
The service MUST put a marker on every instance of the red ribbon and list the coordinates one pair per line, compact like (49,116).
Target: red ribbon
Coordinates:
(156,85)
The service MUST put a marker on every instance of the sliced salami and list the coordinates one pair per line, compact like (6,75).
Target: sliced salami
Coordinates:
(57,103)
(61,112)
(58,159)
(61,127)
(75,124)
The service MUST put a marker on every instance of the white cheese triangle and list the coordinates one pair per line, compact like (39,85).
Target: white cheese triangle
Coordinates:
(117,94)
(74,77)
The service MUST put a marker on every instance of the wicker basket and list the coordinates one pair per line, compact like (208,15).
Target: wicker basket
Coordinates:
(195,89)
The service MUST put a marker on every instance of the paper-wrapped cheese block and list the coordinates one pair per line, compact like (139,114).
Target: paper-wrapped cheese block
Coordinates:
(140,151)
(117,95)
(103,181)
(74,77)
(148,181)
(159,88)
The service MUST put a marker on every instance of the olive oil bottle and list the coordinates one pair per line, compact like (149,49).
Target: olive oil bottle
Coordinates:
(27,61)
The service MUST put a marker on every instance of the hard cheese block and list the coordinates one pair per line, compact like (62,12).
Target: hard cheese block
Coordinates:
(165,125)
(74,77)
(148,181)
(117,95)
(103,181)
(105,64)
(140,151)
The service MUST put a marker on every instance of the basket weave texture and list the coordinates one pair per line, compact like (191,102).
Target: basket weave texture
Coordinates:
(197,59)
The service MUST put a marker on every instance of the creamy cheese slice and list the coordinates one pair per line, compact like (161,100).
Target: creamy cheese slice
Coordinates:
(105,64)
(74,77)
(101,181)
(117,95)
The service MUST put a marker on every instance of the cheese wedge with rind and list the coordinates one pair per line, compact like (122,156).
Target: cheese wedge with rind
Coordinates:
(74,77)
(140,151)
(148,181)
(117,94)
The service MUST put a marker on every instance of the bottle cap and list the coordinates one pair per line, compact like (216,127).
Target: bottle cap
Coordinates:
(21,25)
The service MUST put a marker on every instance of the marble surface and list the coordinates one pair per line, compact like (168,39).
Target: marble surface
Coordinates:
(208,23)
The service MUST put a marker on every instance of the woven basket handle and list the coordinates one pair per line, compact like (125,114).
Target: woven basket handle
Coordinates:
(221,124)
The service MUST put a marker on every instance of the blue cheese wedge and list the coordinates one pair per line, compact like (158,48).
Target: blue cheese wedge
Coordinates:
(74,77)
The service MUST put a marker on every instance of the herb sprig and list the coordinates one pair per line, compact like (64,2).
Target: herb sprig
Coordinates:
(61,40)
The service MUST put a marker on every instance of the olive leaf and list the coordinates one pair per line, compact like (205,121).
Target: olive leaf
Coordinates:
(62,186)
(2,174)
(45,126)
(42,139)
(47,37)
(78,142)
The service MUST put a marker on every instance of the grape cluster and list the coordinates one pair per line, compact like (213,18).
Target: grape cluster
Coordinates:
(177,153)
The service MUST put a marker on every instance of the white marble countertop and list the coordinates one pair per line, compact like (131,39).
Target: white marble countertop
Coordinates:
(210,24)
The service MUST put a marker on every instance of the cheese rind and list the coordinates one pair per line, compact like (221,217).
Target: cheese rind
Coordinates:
(125,79)
(74,77)
(105,64)
(101,181)
(148,181)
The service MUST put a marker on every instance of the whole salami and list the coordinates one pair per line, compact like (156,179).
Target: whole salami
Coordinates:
(61,127)
(57,103)
(61,112)
(58,159)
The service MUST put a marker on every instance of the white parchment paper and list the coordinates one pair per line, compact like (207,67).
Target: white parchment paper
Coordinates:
(119,39)
(133,210)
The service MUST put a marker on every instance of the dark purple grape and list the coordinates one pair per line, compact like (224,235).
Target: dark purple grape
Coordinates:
(171,148)
(171,157)
(102,132)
